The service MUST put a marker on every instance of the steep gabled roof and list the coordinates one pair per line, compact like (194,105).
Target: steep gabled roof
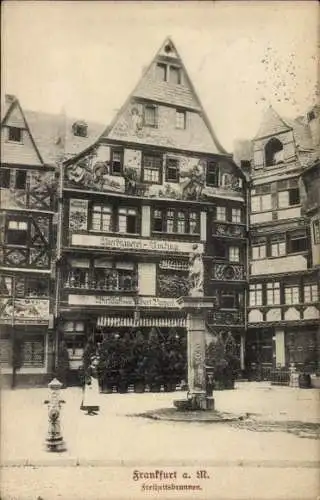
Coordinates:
(172,94)
(54,136)
(10,108)
(272,124)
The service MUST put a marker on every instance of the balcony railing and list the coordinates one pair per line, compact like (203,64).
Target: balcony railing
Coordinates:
(225,271)
(125,284)
(225,317)
(228,230)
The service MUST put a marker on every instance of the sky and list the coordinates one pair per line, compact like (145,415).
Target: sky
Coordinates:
(86,57)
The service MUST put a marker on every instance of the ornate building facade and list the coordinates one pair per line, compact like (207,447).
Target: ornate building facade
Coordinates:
(283,302)
(32,145)
(133,206)
(27,184)
(98,223)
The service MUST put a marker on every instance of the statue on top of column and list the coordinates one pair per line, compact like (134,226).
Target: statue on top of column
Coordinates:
(196,272)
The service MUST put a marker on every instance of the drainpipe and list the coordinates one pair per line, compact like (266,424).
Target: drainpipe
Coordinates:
(58,261)
(247,276)
(13,336)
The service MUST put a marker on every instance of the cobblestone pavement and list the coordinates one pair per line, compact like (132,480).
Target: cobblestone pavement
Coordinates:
(116,441)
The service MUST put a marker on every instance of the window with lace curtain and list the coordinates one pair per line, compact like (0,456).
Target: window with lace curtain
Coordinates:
(33,351)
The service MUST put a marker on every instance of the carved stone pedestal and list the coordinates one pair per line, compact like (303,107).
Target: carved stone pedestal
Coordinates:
(196,306)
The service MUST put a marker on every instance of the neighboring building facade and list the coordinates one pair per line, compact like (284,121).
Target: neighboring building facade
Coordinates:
(32,145)
(283,305)
(27,186)
(98,224)
(134,204)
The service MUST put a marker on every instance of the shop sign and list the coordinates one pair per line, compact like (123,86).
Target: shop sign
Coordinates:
(113,300)
(136,244)
(24,311)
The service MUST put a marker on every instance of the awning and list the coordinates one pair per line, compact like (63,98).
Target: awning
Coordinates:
(120,321)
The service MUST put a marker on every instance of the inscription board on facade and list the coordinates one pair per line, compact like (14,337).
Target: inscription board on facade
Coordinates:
(137,244)
(113,300)
(24,311)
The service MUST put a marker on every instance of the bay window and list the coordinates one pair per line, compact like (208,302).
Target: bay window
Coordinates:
(291,295)
(297,241)
(236,215)
(310,292)
(273,293)
(228,300)
(17,232)
(234,254)
(278,246)
(316,231)
(261,203)
(259,251)
(221,214)
(255,294)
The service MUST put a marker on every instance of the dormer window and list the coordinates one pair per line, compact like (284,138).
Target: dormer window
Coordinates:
(175,75)
(273,152)
(168,73)
(14,134)
(161,72)
(80,129)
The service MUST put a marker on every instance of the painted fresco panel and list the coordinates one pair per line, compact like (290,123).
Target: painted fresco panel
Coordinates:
(38,194)
(91,173)
(24,310)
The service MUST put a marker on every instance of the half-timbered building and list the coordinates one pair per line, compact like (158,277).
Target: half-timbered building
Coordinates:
(133,206)
(283,305)
(32,145)
(27,187)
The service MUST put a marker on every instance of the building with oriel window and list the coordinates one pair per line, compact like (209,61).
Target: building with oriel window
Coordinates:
(283,305)
(32,144)
(132,207)
(27,188)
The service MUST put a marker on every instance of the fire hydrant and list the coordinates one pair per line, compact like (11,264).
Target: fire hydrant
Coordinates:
(54,440)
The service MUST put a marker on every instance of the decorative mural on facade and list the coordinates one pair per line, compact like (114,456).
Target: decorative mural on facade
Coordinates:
(234,230)
(94,172)
(172,285)
(228,272)
(21,311)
